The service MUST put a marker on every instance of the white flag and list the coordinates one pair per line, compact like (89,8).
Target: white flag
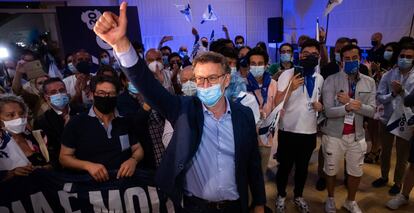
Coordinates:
(331,5)
(186,11)
(209,15)
(401,122)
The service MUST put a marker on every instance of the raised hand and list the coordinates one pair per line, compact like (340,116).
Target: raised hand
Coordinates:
(112,29)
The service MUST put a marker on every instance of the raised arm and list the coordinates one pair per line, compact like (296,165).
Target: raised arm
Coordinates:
(112,29)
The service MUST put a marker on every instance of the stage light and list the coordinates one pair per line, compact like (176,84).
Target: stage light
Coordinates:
(4,53)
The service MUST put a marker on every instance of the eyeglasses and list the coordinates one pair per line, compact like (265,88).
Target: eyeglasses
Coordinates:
(101,93)
(212,79)
(406,56)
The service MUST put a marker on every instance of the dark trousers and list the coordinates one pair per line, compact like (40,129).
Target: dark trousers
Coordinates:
(198,205)
(293,149)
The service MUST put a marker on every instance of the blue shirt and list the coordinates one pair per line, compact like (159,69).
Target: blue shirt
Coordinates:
(211,175)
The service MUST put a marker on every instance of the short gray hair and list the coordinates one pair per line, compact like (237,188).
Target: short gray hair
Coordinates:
(212,57)
(10,98)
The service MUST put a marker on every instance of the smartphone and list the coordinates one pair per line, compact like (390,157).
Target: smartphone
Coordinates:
(298,70)
(33,69)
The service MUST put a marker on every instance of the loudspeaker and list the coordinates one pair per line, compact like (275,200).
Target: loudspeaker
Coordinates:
(275,30)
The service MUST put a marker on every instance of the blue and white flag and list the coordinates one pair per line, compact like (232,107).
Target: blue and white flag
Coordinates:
(330,6)
(186,11)
(209,15)
(212,36)
(401,122)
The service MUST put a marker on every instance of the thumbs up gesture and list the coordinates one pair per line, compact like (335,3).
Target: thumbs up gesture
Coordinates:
(112,29)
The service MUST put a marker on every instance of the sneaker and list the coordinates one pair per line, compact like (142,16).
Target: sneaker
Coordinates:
(280,204)
(301,205)
(380,182)
(395,189)
(397,202)
(352,206)
(321,184)
(330,206)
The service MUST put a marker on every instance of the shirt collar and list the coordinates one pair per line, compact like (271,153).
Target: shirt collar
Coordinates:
(93,114)
(228,109)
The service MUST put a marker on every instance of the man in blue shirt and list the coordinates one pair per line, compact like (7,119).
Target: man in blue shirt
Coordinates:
(213,156)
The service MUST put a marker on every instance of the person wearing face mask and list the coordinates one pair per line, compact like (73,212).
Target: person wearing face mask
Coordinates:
(21,152)
(348,97)
(376,53)
(101,140)
(239,41)
(154,62)
(105,58)
(286,61)
(261,85)
(69,67)
(237,83)
(333,66)
(393,87)
(391,52)
(54,120)
(176,64)
(77,84)
(214,146)
(298,125)
(31,90)
(149,124)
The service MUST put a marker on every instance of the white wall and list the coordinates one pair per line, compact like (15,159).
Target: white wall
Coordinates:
(353,18)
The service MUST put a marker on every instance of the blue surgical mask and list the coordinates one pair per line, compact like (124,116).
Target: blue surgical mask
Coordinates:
(210,96)
(338,57)
(351,67)
(59,101)
(240,45)
(388,55)
(132,89)
(285,57)
(105,61)
(71,67)
(405,63)
(183,53)
(257,71)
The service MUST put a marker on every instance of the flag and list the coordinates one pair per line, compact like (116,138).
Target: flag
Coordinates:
(186,11)
(330,6)
(212,36)
(401,121)
(209,15)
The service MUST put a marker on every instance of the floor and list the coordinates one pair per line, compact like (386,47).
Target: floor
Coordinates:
(370,200)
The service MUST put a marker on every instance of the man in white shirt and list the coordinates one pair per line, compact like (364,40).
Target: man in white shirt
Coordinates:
(298,124)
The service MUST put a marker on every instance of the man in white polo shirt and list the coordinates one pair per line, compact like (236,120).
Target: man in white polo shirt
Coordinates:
(348,97)
(297,128)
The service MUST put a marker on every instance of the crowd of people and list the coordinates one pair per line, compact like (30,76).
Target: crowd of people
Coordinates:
(186,115)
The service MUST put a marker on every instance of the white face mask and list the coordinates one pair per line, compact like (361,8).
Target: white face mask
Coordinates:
(189,88)
(16,126)
(153,66)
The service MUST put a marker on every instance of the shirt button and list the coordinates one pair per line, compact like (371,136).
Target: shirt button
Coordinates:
(180,166)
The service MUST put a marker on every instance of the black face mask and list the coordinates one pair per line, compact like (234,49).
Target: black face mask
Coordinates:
(84,67)
(105,105)
(205,43)
(309,63)
(243,61)
(374,43)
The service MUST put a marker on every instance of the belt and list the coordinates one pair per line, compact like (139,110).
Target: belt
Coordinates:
(218,205)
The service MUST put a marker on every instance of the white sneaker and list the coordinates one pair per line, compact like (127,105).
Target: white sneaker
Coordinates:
(301,204)
(330,206)
(397,201)
(352,206)
(280,204)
